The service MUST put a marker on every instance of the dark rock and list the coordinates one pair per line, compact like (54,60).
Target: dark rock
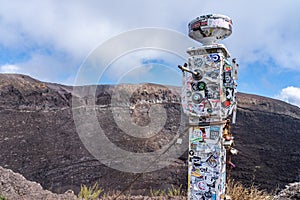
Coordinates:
(38,136)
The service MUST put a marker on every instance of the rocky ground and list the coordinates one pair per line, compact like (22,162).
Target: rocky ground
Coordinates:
(291,191)
(38,136)
(15,186)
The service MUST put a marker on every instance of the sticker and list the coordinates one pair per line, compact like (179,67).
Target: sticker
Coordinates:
(208,194)
(212,161)
(203,169)
(227,80)
(199,147)
(214,135)
(196,161)
(198,135)
(195,180)
(195,26)
(198,62)
(196,173)
(210,181)
(227,68)
(213,74)
(197,98)
(195,86)
(201,85)
(203,23)
(214,196)
(194,146)
(198,196)
(215,128)
(202,186)
(226,103)
(229,93)
(214,57)
(198,139)
(191,153)
(213,92)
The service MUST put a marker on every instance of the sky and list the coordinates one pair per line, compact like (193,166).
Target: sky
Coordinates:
(53,40)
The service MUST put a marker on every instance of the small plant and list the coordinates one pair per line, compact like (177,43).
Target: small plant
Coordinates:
(157,193)
(237,192)
(171,192)
(175,191)
(89,193)
(2,197)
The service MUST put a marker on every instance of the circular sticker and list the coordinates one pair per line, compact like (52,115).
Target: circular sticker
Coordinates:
(201,85)
(197,98)
(214,57)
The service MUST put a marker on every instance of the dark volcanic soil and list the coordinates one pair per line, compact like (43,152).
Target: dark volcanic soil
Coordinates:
(38,136)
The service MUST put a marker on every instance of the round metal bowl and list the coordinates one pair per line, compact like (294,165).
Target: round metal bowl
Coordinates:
(208,29)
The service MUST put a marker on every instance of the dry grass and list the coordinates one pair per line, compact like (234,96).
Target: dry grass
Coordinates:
(238,192)
(233,189)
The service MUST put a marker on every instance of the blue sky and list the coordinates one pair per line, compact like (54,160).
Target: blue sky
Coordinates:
(51,40)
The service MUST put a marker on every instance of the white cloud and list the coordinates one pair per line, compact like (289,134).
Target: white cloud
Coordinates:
(262,29)
(9,69)
(291,95)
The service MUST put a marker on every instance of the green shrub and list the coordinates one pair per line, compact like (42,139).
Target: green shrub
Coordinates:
(2,197)
(172,192)
(89,193)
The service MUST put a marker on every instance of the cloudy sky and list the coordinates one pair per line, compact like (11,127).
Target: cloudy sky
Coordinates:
(52,40)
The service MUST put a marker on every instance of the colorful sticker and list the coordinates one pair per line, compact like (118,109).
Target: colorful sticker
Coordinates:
(227,68)
(212,161)
(202,186)
(214,57)
(196,173)
(198,135)
(201,85)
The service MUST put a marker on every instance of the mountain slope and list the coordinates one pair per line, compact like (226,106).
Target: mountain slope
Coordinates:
(38,136)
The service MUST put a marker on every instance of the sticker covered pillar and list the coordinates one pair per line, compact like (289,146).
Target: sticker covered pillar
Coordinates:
(208,99)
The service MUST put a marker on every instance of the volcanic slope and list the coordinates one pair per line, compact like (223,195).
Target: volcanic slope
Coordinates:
(38,136)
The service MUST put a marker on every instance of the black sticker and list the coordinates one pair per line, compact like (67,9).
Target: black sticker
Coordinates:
(195,86)
(192,153)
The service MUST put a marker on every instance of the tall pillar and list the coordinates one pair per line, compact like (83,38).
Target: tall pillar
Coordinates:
(208,99)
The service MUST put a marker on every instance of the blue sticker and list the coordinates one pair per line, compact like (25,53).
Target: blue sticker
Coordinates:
(214,57)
